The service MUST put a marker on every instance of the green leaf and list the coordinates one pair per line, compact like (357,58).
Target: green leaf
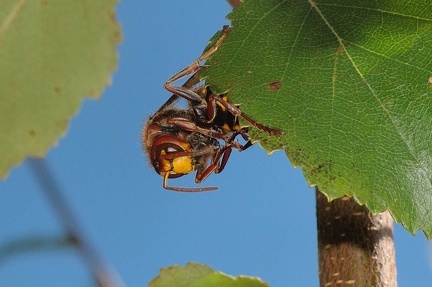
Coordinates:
(198,275)
(53,54)
(349,83)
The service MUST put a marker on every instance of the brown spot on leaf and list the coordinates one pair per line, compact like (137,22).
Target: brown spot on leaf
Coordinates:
(274,86)
(57,89)
(235,3)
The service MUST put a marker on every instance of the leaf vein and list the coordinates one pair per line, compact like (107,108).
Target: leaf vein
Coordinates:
(380,10)
(13,15)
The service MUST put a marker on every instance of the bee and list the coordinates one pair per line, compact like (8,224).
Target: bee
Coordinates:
(200,137)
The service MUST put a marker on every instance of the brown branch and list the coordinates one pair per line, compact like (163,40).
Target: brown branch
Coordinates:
(104,275)
(354,247)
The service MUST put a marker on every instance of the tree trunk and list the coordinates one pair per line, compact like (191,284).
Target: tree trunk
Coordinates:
(354,247)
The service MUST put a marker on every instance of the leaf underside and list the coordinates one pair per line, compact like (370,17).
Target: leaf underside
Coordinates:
(350,86)
(53,54)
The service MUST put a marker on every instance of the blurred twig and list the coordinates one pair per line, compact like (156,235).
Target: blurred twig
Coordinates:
(104,275)
(32,243)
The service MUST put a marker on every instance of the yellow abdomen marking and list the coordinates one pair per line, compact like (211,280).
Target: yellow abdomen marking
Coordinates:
(182,164)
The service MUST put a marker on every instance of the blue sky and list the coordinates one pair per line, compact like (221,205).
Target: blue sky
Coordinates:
(261,221)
